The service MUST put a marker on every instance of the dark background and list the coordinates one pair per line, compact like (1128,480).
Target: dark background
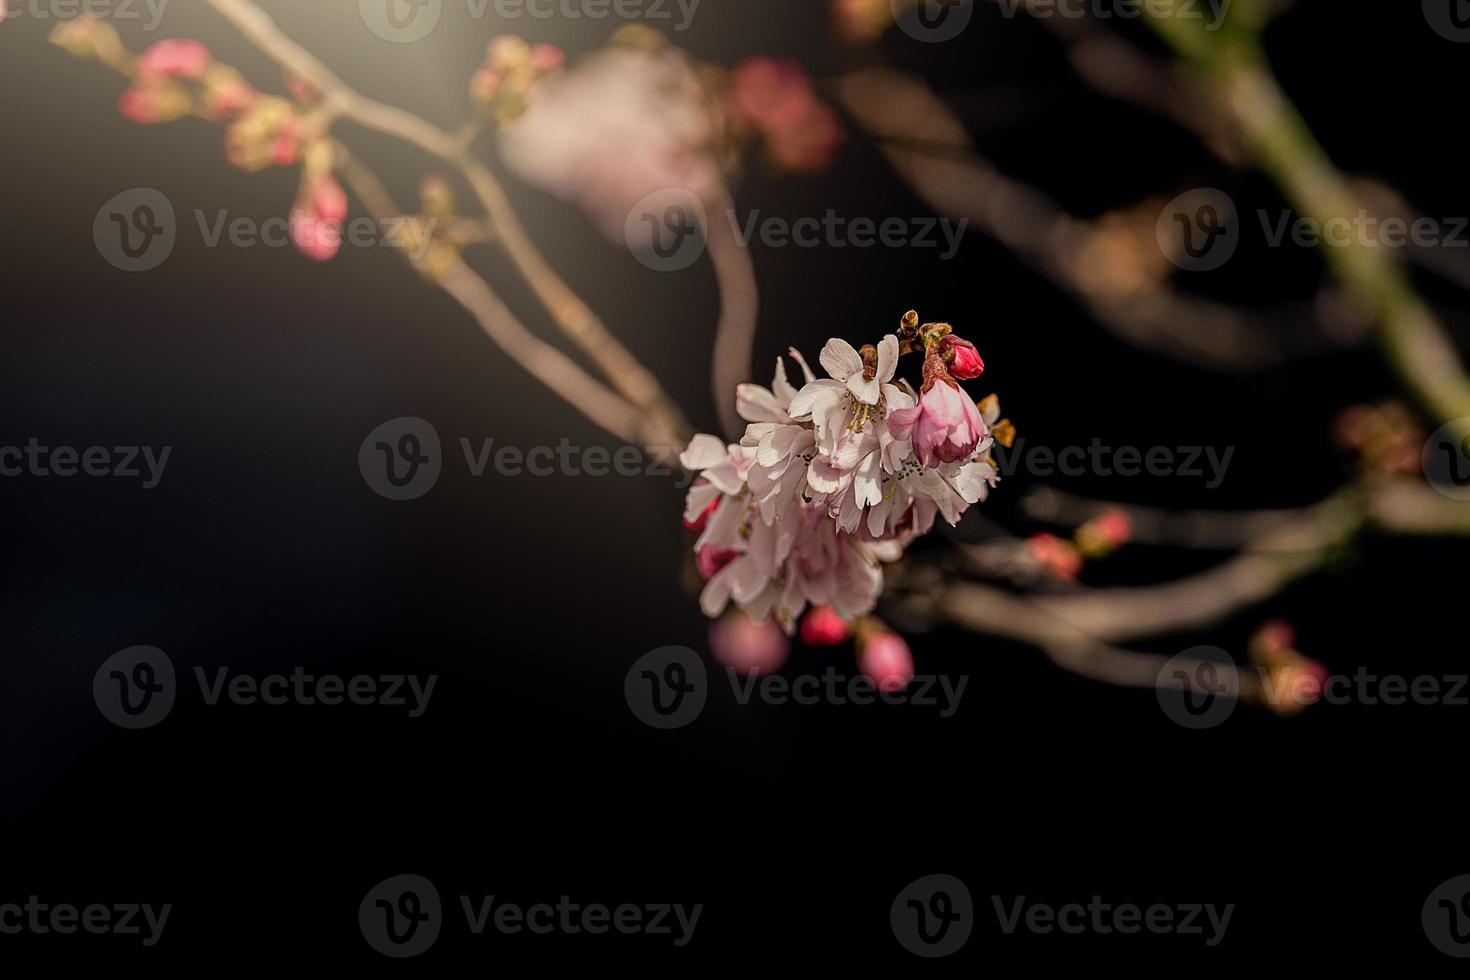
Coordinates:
(528,778)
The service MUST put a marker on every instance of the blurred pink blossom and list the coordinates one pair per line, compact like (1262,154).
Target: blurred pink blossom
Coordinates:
(747,646)
(175,59)
(618,126)
(801,133)
(885,660)
(316,221)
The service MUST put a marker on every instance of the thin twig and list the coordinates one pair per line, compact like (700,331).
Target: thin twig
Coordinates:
(1109,269)
(548,365)
(661,422)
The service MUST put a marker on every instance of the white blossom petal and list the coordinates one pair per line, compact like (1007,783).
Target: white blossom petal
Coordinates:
(815,398)
(840,359)
(782,388)
(865,390)
(757,404)
(867,485)
(823,477)
(704,451)
(887,358)
(698,499)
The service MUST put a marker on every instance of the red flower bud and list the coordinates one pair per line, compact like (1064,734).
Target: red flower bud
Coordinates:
(963,359)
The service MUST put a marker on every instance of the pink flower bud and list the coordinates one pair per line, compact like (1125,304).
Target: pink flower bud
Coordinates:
(885,660)
(1115,527)
(141,105)
(963,359)
(316,221)
(228,100)
(1057,558)
(547,57)
(484,84)
(175,58)
(286,148)
(747,646)
(945,426)
(822,627)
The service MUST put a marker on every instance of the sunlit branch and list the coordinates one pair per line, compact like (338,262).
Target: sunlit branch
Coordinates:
(545,363)
(661,422)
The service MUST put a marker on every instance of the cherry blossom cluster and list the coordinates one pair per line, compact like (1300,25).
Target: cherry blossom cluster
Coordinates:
(837,477)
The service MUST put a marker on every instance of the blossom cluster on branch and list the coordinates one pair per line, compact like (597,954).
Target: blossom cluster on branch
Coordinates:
(835,478)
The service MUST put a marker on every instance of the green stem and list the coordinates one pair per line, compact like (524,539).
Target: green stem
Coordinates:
(1283,147)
